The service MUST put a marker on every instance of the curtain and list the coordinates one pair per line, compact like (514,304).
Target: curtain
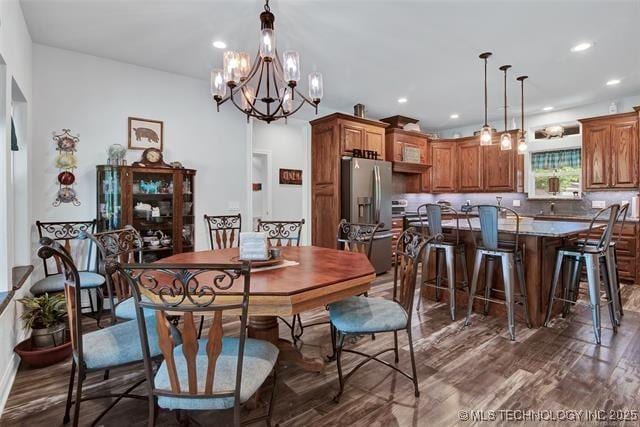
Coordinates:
(556,159)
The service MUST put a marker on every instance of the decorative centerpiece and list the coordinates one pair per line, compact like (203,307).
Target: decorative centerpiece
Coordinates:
(254,246)
(116,154)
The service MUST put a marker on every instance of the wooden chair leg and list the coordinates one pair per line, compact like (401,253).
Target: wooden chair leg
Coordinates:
(76,408)
(395,346)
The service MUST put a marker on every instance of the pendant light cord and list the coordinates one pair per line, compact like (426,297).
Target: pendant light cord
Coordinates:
(485,92)
(522,105)
(505,99)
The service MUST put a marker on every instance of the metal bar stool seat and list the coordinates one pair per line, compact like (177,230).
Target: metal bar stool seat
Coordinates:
(600,264)
(445,250)
(511,257)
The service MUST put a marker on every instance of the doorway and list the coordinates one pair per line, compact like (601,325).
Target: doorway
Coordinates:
(261,186)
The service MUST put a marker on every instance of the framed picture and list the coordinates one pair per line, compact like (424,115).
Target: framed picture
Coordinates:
(291,176)
(145,133)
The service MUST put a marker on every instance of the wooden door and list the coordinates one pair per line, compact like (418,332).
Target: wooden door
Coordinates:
(443,171)
(596,149)
(325,193)
(375,142)
(353,137)
(499,168)
(624,154)
(469,166)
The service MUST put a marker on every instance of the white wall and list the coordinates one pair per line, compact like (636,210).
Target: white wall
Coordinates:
(94,97)
(625,104)
(289,147)
(15,84)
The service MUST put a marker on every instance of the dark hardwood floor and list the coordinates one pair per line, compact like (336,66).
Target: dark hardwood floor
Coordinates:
(476,368)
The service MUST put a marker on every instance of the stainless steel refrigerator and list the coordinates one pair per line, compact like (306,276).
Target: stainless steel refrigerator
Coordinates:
(366,198)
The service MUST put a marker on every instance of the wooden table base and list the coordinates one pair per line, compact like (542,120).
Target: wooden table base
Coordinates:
(266,328)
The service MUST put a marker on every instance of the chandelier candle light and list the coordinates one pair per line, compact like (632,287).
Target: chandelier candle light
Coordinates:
(505,138)
(522,138)
(485,131)
(270,81)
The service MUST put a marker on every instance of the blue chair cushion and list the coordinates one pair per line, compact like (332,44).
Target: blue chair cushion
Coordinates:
(366,315)
(120,344)
(55,282)
(126,309)
(259,359)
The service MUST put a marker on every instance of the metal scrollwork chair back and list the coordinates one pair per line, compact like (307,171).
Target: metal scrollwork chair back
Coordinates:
(282,233)
(354,237)
(198,369)
(409,248)
(69,234)
(125,246)
(224,230)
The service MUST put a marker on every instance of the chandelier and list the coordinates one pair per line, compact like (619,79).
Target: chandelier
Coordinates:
(267,90)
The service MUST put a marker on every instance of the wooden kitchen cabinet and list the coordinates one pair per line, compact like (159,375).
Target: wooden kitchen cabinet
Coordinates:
(444,167)
(498,168)
(610,152)
(470,160)
(332,137)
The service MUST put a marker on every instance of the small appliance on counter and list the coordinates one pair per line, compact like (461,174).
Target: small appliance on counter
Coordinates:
(399,207)
(366,198)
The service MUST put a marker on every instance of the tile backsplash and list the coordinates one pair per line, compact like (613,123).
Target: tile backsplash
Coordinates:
(527,206)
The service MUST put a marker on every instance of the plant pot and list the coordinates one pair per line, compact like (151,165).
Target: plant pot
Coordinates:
(41,357)
(48,337)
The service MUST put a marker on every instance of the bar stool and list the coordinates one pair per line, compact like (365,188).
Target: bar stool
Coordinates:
(511,258)
(595,254)
(445,251)
(613,263)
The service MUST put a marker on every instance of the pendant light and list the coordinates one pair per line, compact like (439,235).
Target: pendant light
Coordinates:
(505,138)
(485,131)
(522,138)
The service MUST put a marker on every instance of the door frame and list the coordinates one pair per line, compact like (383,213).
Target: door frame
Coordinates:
(305,128)
(269,193)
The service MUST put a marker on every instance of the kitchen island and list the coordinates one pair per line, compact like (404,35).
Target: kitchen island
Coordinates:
(538,238)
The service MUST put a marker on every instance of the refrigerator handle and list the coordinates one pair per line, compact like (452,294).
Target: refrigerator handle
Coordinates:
(378,193)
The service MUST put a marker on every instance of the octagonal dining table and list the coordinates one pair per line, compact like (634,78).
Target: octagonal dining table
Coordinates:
(313,278)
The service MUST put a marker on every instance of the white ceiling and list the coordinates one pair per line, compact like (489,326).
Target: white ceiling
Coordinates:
(373,52)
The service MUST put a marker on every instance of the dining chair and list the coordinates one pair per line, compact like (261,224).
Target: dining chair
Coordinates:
(351,237)
(69,233)
(282,233)
(511,257)
(359,315)
(224,230)
(595,254)
(125,246)
(217,373)
(445,251)
(101,350)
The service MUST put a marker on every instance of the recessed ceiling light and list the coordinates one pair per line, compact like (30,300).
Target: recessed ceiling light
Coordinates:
(613,82)
(581,47)
(402,100)
(548,108)
(219,44)
(454,116)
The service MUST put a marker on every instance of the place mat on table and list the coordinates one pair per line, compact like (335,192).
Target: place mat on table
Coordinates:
(286,263)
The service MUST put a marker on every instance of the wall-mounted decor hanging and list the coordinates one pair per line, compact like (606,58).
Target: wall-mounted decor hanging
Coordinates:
(145,133)
(291,176)
(66,162)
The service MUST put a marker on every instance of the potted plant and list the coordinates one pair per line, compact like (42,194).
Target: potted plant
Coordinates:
(45,316)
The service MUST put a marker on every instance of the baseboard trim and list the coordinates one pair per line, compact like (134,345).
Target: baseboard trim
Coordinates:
(6,383)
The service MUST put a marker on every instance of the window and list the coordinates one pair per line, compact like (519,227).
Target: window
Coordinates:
(565,164)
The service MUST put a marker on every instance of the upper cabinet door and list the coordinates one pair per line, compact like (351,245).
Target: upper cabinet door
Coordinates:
(469,166)
(353,137)
(596,146)
(443,171)
(375,142)
(624,154)
(499,168)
